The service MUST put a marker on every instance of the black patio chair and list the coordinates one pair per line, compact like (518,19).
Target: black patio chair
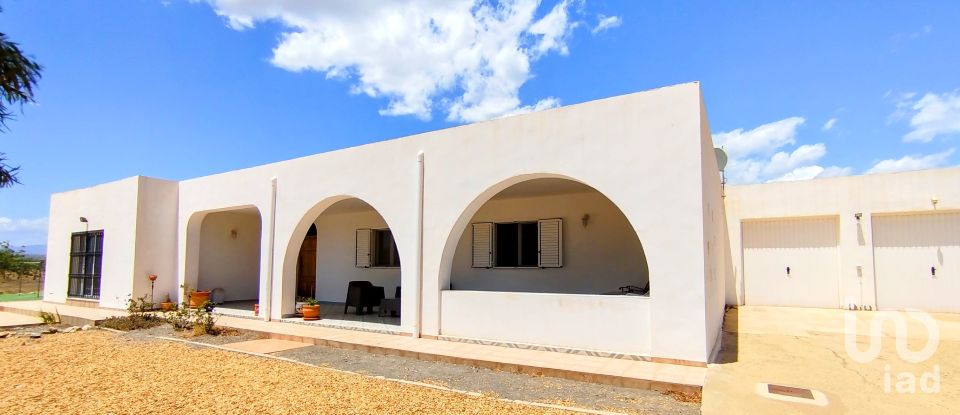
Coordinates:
(362,294)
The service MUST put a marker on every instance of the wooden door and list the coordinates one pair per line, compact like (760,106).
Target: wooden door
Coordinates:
(307,268)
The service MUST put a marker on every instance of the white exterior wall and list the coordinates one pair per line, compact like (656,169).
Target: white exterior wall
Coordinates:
(227,262)
(135,215)
(156,244)
(336,266)
(566,320)
(871,195)
(598,258)
(716,248)
(643,151)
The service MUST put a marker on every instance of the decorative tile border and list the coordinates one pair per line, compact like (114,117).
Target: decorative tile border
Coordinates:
(338,324)
(556,349)
(568,350)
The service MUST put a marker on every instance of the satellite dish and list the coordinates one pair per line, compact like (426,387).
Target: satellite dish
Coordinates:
(721,158)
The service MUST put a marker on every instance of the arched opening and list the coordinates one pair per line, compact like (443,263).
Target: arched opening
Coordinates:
(555,251)
(348,261)
(228,258)
(550,235)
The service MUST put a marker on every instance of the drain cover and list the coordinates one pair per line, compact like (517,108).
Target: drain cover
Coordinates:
(789,391)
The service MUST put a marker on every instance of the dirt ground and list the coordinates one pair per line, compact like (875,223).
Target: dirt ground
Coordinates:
(100,372)
(461,377)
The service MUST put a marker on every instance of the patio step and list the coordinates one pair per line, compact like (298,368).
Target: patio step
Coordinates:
(71,315)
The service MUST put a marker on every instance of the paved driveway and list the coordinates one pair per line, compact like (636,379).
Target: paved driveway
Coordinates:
(805,348)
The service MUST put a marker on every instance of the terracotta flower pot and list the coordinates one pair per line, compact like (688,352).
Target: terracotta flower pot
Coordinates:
(311,312)
(197,298)
(166,306)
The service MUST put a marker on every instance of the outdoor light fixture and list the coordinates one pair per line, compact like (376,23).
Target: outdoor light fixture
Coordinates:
(858,215)
(83,219)
(585,219)
(153,279)
(233,234)
(934,200)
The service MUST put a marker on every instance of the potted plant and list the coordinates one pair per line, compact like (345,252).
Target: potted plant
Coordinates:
(310,309)
(195,298)
(299,304)
(166,304)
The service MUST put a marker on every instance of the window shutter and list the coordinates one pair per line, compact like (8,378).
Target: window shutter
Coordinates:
(551,243)
(363,248)
(482,245)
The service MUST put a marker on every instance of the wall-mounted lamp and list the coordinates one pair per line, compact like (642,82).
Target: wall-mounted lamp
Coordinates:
(233,234)
(585,219)
(934,200)
(83,219)
(857,216)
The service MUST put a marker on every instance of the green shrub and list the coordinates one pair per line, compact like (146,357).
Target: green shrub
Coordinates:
(50,318)
(132,322)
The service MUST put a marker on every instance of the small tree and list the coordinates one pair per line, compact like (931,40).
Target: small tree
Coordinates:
(18,77)
(15,264)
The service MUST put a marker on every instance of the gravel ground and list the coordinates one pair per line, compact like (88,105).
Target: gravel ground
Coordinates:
(99,372)
(229,336)
(100,352)
(489,382)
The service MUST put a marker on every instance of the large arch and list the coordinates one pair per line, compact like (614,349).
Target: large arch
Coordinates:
(454,238)
(349,214)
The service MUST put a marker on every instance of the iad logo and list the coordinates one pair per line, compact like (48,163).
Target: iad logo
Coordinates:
(906,382)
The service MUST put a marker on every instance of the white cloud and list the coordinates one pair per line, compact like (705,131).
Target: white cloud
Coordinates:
(23,231)
(760,140)
(467,58)
(930,116)
(804,155)
(912,162)
(754,155)
(606,22)
(827,126)
(16,225)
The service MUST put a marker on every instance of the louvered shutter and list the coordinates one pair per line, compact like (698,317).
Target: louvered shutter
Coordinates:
(363,248)
(550,243)
(482,245)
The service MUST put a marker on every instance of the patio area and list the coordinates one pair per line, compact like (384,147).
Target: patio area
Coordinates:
(331,315)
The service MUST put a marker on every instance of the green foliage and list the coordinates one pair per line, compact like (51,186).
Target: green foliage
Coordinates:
(200,320)
(50,318)
(132,322)
(14,263)
(310,301)
(139,305)
(18,77)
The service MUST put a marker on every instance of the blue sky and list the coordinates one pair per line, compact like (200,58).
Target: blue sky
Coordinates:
(179,89)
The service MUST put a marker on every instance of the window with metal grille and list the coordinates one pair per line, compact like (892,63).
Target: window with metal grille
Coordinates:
(86,258)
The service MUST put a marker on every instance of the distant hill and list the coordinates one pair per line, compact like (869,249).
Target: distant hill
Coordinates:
(38,251)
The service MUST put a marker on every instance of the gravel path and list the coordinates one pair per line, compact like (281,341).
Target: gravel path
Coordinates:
(490,382)
(98,372)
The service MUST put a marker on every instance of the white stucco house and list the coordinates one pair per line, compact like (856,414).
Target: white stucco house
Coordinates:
(601,227)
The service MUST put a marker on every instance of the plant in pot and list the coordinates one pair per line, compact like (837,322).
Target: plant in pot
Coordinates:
(196,298)
(166,304)
(310,309)
(299,304)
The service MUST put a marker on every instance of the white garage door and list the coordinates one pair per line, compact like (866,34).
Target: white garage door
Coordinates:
(916,258)
(791,262)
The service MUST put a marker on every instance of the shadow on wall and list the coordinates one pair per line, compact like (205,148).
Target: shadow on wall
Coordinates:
(549,235)
(229,258)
